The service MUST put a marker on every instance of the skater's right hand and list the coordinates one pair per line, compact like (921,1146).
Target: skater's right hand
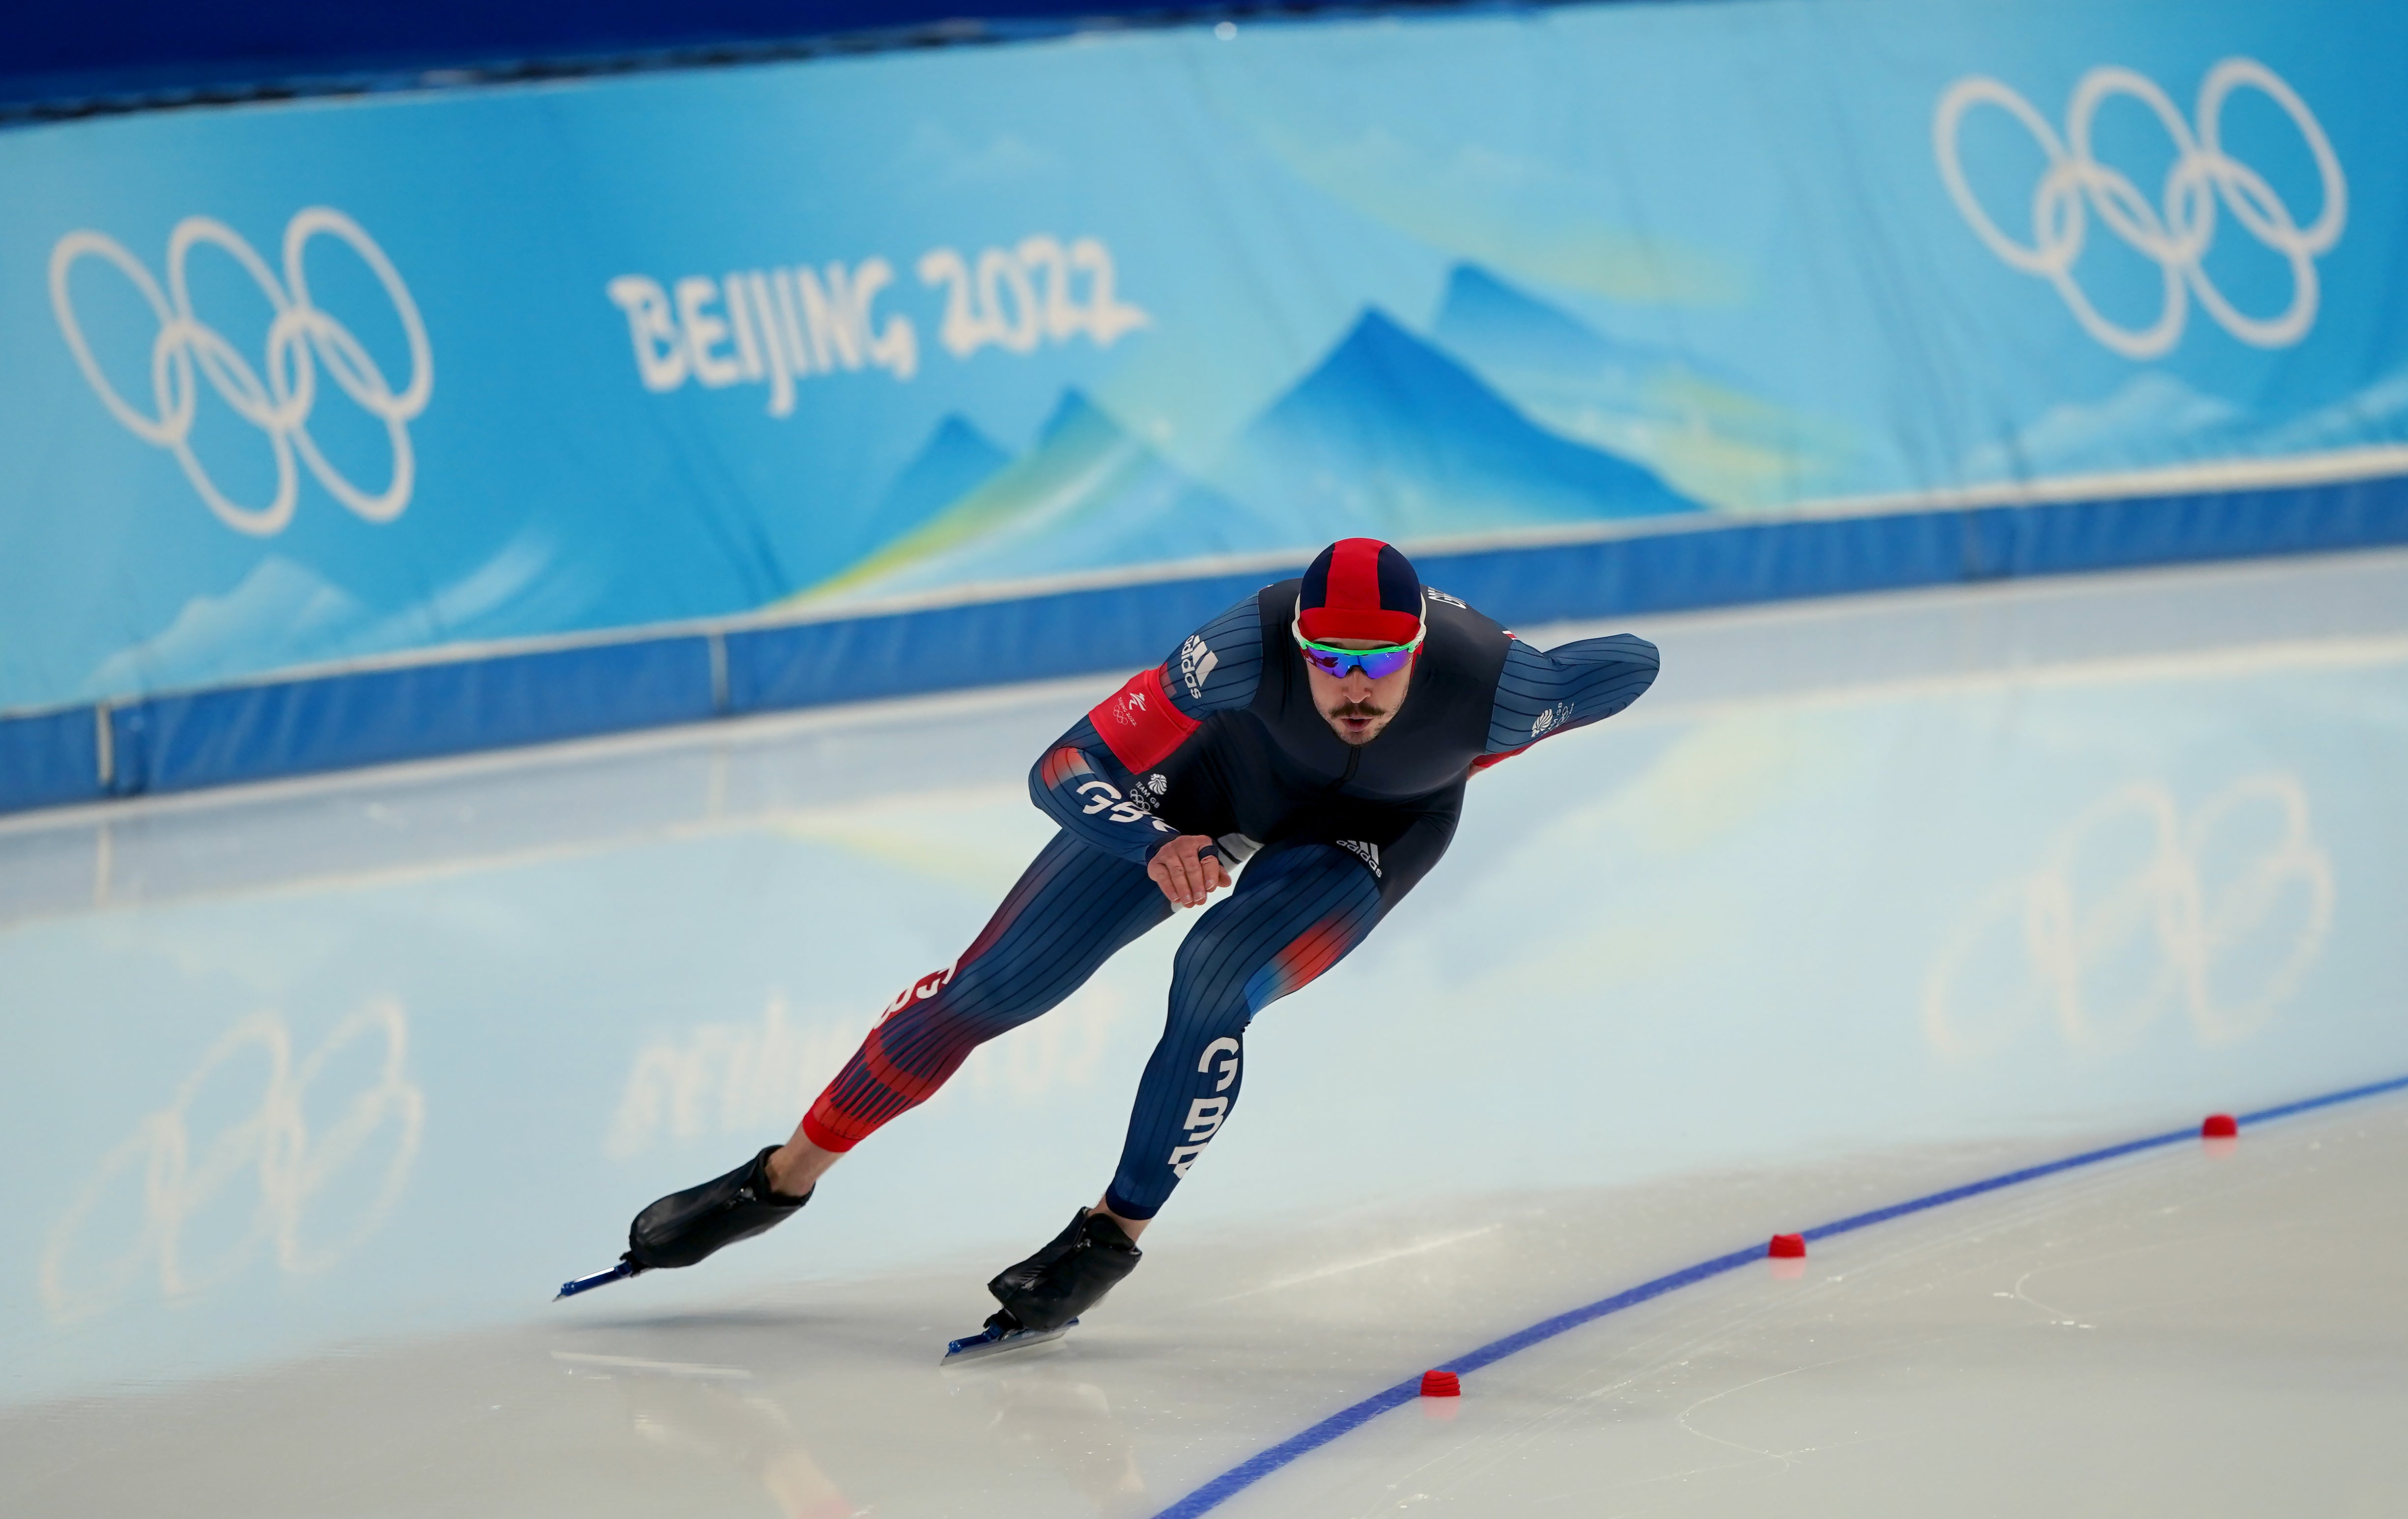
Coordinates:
(1186,874)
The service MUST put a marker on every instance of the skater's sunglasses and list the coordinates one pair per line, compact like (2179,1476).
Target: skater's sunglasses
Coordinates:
(1378,664)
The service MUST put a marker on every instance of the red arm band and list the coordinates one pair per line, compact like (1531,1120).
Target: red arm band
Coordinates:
(1139,722)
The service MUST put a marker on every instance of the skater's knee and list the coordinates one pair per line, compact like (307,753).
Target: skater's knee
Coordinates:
(1214,962)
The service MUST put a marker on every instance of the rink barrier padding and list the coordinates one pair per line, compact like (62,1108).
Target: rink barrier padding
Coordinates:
(498,698)
(378,716)
(1079,632)
(50,758)
(1246,1474)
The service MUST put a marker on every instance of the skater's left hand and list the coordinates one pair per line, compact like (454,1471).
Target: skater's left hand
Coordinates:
(1187,874)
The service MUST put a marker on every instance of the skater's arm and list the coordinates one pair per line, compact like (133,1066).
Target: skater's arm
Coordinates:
(1093,779)
(1544,692)
(1083,786)
(1220,665)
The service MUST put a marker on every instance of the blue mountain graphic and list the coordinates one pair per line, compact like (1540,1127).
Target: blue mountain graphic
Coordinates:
(1386,438)
(1391,438)
(1703,431)
(1502,332)
(1087,496)
(957,460)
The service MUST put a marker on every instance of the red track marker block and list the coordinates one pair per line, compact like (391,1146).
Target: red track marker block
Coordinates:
(2219,1126)
(1441,1384)
(1787,1247)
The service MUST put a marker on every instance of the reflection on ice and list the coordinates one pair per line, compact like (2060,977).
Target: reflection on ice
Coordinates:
(264,1179)
(716,1415)
(1040,1410)
(720,1079)
(2135,911)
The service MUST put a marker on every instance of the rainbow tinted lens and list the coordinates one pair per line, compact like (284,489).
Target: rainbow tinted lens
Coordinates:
(1375,663)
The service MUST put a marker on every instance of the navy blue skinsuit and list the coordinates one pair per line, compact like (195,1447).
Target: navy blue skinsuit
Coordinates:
(1223,740)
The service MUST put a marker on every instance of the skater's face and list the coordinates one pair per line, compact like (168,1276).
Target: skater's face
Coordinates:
(1356,706)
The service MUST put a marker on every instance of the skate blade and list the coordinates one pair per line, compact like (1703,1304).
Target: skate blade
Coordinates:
(988,1342)
(620,1272)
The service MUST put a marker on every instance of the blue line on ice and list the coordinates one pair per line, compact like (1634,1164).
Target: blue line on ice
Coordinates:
(1256,1467)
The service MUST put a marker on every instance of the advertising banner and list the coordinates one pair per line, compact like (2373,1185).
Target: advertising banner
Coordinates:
(345,382)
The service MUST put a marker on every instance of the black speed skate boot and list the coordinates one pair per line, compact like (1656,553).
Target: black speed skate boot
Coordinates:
(684,1226)
(1069,1276)
(1044,1295)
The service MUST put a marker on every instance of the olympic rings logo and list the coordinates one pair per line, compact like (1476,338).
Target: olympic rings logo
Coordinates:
(2176,232)
(276,397)
(167,1180)
(2108,962)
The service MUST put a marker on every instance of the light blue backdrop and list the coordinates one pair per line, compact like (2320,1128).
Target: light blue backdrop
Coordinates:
(399,373)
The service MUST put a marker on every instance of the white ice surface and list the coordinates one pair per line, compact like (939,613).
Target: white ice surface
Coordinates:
(315,1091)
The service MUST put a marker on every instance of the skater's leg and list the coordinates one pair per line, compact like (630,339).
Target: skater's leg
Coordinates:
(1070,911)
(1297,910)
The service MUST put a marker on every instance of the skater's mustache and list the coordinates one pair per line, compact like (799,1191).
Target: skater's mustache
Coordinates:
(1357,709)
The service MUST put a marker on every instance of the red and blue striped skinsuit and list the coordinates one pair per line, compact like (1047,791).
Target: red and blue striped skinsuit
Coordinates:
(1223,740)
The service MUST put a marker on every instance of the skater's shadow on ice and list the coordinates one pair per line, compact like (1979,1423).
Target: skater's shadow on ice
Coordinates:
(772,1340)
